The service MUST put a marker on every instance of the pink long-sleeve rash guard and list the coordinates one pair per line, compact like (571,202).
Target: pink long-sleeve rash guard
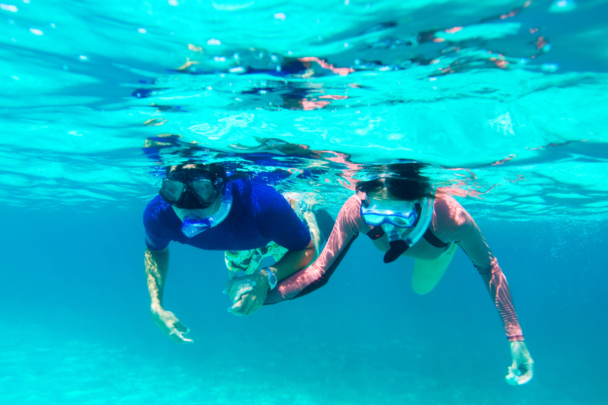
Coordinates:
(451,223)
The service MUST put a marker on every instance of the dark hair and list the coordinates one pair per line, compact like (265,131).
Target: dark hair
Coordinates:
(217,170)
(404,182)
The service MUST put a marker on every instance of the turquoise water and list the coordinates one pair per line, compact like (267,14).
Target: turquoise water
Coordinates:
(506,100)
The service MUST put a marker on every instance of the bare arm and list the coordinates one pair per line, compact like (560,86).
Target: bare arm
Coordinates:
(294,261)
(157,267)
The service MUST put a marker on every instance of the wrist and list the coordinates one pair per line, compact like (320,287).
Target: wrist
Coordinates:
(263,279)
(270,277)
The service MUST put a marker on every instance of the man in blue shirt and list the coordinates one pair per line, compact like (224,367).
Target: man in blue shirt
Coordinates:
(197,205)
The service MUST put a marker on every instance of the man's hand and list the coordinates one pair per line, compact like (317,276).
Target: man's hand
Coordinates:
(170,325)
(247,293)
(520,371)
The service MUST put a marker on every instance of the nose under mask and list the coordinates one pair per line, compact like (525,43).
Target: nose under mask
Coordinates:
(190,202)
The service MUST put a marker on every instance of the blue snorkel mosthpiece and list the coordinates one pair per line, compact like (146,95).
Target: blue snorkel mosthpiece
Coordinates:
(193,225)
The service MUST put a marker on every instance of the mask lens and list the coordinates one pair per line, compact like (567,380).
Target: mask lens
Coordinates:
(378,215)
(204,190)
(372,219)
(172,190)
(401,222)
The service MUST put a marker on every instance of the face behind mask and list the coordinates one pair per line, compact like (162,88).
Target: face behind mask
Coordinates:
(191,188)
(193,225)
(190,202)
(399,243)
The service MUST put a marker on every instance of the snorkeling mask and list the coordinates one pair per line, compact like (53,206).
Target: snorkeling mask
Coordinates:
(394,216)
(193,225)
(400,214)
(191,188)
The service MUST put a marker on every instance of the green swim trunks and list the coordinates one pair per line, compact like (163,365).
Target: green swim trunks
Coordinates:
(249,261)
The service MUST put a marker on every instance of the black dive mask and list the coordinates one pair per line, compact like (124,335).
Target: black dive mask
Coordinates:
(191,188)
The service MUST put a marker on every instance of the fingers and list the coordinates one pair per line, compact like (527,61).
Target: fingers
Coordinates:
(520,371)
(253,307)
(240,307)
(181,327)
(243,289)
(246,306)
(178,332)
(519,374)
(229,285)
(235,289)
(244,283)
(172,327)
(179,337)
(247,297)
(526,370)
(234,284)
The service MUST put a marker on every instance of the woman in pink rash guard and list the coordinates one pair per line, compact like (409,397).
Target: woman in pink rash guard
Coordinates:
(450,223)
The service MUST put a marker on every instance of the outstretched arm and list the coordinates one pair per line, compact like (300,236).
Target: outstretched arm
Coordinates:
(346,229)
(473,243)
(468,235)
(157,267)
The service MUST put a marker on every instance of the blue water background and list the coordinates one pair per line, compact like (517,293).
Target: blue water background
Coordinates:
(76,328)
(85,85)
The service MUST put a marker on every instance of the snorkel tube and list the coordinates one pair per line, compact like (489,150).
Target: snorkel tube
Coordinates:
(400,245)
(193,225)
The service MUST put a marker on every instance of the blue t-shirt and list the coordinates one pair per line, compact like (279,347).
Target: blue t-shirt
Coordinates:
(259,215)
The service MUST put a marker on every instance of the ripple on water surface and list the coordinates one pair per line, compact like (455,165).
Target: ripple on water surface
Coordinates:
(504,97)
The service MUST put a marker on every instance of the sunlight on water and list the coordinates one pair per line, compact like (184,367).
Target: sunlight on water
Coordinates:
(504,98)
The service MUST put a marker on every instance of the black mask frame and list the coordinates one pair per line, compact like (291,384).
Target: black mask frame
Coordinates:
(187,179)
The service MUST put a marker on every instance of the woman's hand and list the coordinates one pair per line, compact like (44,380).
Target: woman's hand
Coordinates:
(520,371)
(247,293)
